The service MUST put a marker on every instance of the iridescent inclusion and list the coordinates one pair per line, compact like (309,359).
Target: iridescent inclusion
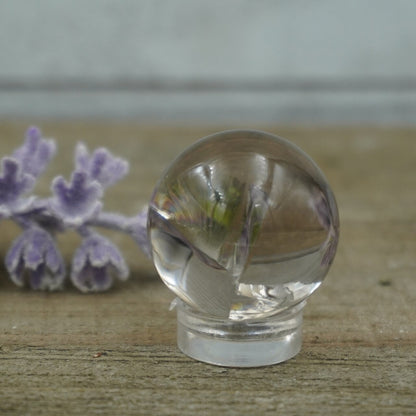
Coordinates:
(243,225)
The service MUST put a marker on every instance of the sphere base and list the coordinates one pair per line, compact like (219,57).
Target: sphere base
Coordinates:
(229,343)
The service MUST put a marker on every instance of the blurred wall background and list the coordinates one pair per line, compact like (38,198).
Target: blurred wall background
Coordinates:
(275,61)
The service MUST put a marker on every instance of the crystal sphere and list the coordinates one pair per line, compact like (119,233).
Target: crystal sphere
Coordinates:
(243,227)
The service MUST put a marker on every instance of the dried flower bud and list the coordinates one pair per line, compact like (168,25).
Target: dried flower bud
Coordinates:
(34,254)
(13,184)
(96,262)
(35,153)
(76,202)
(101,166)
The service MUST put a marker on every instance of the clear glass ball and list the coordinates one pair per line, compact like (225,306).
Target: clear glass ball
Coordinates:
(243,225)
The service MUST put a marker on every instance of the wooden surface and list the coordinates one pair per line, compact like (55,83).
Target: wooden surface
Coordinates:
(359,349)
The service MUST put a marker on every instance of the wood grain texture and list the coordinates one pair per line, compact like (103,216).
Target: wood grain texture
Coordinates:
(115,353)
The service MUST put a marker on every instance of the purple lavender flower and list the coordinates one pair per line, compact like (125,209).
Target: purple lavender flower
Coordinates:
(101,166)
(35,153)
(20,171)
(95,264)
(76,202)
(14,183)
(137,228)
(35,255)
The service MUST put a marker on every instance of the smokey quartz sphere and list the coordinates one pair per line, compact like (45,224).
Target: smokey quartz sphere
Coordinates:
(243,225)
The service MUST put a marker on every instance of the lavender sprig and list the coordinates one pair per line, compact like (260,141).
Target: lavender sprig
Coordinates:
(14,183)
(95,264)
(34,257)
(101,166)
(34,253)
(76,202)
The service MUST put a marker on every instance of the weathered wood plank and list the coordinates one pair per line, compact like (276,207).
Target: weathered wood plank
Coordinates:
(347,379)
(359,349)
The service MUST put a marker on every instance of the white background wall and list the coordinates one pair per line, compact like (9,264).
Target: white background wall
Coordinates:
(323,61)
